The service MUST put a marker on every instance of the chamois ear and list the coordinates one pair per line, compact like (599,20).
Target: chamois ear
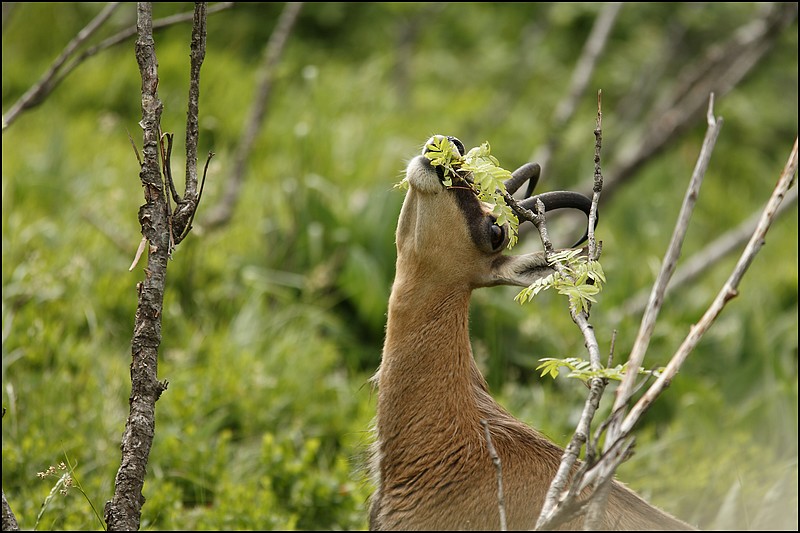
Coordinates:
(518,270)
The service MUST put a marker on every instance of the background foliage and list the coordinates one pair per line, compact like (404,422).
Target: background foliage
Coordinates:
(274,323)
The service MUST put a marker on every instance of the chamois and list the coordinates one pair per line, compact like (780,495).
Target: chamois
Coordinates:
(430,460)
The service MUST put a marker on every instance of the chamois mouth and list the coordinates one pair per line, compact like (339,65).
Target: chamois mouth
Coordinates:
(454,140)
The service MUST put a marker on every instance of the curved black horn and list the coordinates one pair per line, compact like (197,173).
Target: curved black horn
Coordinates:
(561,200)
(528,171)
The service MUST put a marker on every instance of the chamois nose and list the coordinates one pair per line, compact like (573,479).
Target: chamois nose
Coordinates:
(455,140)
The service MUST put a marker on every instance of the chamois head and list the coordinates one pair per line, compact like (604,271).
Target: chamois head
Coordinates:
(445,233)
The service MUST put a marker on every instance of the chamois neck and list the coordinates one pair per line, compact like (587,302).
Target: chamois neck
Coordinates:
(427,370)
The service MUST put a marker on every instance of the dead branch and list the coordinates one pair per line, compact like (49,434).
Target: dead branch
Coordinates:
(187,206)
(636,356)
(559,507)
(44,86)
(158,24)
(718,71)
(123,511)
(728,292)
(701,261)
(61,68)
(266,74)
(565,109)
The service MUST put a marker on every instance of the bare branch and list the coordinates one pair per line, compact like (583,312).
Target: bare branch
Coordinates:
(668,266)
(162,229)
(127,33)
(123,512)
(592,48)
(597,187)
(197,55)
(46,86)
(42,88)
(701,261)
(266,72)
(187,206)
(559,506)
(728,291)
(9,520)
(719,71)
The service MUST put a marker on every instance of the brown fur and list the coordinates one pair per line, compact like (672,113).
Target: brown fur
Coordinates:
(430,459)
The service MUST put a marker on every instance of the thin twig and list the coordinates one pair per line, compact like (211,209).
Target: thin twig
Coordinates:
(597,186)
(135,149)
(557,506)
(197,55)
(48,83)
(501,500)
(187,206)
(199,196)
(158,24)
(169,185)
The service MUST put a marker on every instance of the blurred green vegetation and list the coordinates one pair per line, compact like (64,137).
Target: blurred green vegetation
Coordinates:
(273,324)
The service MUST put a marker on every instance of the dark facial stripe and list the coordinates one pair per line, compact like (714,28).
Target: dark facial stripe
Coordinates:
(473,213)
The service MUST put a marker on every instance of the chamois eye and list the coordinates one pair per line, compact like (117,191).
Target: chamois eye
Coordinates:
(497,235)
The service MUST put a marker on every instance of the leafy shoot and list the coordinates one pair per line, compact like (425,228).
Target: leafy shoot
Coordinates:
(580,280)
(578,368)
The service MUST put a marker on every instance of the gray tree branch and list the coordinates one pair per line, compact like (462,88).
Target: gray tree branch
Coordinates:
(669,263)
(718,71)
(704,259)
(123,512)
(48,81)
(62,67)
